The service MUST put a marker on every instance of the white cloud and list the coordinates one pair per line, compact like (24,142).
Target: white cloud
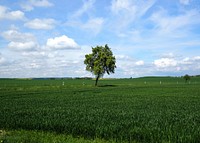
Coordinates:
(165,62)
(197,58)
(166,23)
(29,5)
(20,41)
(87,5)
(186,61)
(118,5)
(127,66)
(45,63)
(94,25)
(177,65)
(35,65)
(16,36)
(41,3)
(125,12)
(190,61)
(45,24)
(143,34)
(5,13)
(158,26)
(22,46)
(62,42)
(123,57)
(140,63)
(2,60)
(190,64)
(168,55)
(185,2)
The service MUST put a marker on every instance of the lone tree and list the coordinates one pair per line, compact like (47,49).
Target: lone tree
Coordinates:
(186,77)
(100,61)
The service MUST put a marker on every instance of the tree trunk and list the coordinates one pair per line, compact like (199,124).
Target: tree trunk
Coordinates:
(97,80)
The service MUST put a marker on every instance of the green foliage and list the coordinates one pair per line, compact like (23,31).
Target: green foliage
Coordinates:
(23,136)
(125,110)
(186,77)
(100,61)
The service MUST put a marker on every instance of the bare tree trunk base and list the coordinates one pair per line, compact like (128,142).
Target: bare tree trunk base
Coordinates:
(96,80)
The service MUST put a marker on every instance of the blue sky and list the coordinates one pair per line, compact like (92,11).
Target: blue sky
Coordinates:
(49,38)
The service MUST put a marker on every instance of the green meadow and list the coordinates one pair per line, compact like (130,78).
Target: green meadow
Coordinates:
(147,110)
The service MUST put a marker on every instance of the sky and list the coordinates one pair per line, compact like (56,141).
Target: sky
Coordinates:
(50,38)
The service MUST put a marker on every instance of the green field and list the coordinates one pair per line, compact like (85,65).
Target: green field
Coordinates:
(118,110)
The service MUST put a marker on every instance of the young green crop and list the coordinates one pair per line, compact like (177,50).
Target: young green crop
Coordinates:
(127,110)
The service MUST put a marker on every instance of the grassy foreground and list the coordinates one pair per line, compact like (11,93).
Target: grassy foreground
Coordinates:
(123,110)
(27,136)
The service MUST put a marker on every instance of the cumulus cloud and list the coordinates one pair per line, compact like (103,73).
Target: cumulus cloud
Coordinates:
(14,35)
(165,62)
(43,63)
(197,58)
(62,42)
(127,66)
(22,46)
(131,68)
(20,41)
(179,65)
(130,62)
(29,5)
(141,26)
(2,59)
(167,65)
(34,65)
(45,24)
(5,13)
(140,63)
(190,64)
(190,61)
(50,63)
(186,61)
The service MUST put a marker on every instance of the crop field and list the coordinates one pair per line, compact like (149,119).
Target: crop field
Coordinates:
(151,109)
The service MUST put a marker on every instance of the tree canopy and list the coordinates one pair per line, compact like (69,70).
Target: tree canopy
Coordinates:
(186,77)
(100,61)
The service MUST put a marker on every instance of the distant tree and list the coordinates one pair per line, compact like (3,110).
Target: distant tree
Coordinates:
(186,77)
(100,61)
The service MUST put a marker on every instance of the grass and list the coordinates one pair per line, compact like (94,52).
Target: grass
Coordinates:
(24,136)
(122,110)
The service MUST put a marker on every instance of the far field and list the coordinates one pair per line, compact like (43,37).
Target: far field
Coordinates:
(151,109)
